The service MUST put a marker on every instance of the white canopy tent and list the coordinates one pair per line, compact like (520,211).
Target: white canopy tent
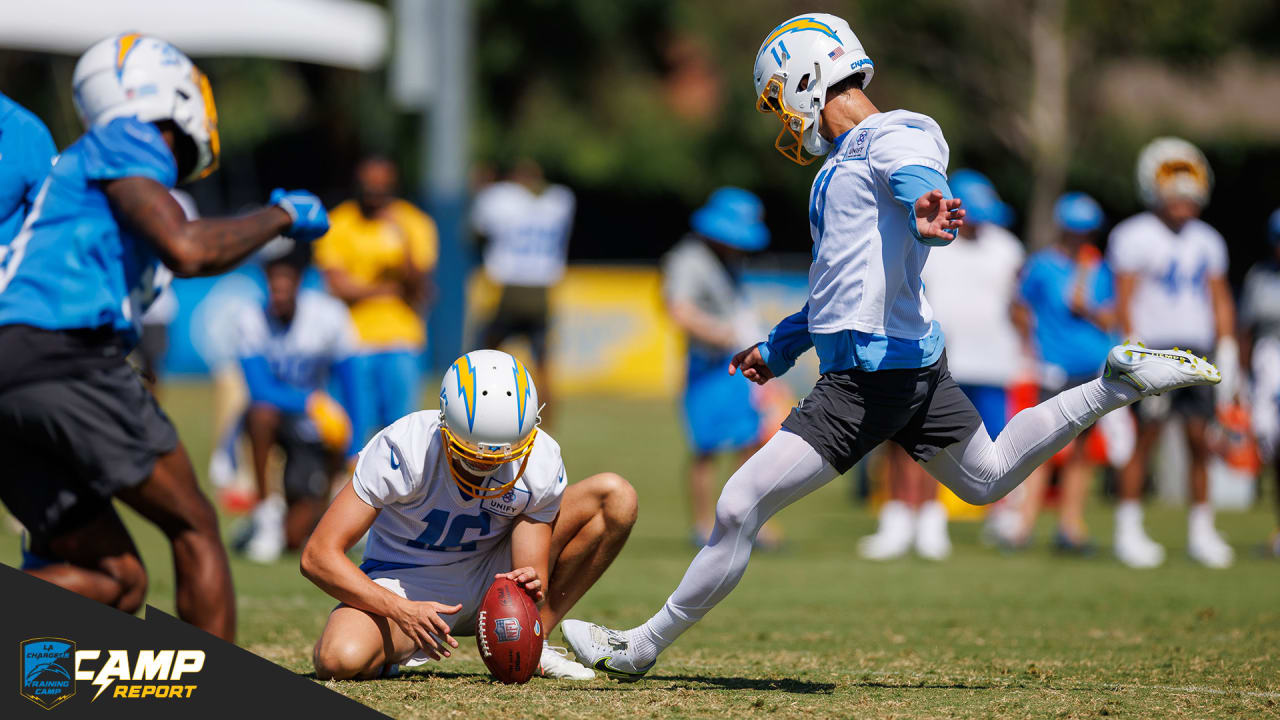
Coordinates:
(339,33)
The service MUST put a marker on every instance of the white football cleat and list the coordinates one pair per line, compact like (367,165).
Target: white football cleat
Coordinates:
(1137,550)
(556,664)
(932,540)
(1152,372)
(609,651)
(1209,549)
(893,537)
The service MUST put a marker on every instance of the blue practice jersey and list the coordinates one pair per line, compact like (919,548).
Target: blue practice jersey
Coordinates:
(72,266)
(26,151)
(1065,340)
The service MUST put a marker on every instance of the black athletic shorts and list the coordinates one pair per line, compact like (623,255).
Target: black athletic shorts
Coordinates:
(70,443)
(849,412)
(306,465)
(522,311)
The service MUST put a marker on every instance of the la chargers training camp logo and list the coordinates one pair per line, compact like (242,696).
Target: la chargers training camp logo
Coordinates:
(47,666)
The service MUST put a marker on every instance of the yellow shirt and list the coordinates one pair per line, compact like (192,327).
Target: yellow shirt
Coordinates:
(373,250)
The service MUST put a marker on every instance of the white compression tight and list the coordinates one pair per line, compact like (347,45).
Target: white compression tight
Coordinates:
(787,468)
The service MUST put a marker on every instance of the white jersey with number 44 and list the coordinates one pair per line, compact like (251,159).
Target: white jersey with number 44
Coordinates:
(425,520)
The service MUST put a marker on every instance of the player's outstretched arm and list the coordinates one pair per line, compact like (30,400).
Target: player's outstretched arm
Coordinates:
(530,556)
(325,563)
(212,245)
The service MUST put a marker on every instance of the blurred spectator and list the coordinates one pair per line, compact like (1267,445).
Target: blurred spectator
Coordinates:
(27,151)
(525,224)
(1069,294)
(377,258)
(701,284)
(154,342)
(1171,289)
(970,285)
(289,348)
(1260,341)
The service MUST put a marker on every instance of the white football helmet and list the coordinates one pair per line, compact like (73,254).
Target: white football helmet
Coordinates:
(488,417)
(147,78)
(797,62)
(1170,167)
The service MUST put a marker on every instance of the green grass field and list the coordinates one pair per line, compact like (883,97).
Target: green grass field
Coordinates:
(816,632)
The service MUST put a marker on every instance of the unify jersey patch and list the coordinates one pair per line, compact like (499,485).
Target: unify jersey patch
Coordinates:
(424,517)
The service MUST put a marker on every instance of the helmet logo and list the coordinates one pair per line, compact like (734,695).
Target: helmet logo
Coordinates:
(522,391)
(124,44)
(799,25)
(467,388)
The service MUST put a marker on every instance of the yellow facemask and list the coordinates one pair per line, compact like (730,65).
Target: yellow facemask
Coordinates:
(790,140)
(211,121)
(1174,170)
(466,451)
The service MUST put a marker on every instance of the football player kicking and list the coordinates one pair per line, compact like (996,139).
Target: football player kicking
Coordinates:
(77,426)
(452,499)
(878,202)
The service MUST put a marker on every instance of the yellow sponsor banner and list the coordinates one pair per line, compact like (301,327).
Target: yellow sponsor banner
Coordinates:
(609,332)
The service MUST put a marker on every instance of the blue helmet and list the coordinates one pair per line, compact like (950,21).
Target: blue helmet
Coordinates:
(733,217)
(981,201)
(1078,213)
(1273,228)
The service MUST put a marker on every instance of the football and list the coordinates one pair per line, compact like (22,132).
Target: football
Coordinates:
(509,632)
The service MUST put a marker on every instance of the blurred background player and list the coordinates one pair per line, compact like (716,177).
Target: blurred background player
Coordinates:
(290,349)
(77,426)
(1068,296)
(1171,290)
(524,223)
(983,353)
(1260,342)
(701,284)
(378,258)
(451,499)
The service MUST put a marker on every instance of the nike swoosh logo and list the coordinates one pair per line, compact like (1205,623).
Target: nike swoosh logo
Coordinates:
(603,666)
(395,462)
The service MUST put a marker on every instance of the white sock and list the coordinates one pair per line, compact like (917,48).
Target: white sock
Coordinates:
(1200,520)
(1128,517)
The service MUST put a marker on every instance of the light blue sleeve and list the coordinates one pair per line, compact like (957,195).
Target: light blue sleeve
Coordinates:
(267,389)
(127,147)
(787,341)
(40,151)
(908,184)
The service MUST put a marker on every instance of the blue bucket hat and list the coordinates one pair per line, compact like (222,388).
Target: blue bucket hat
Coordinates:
(1078,213)
(1273,228)
(981,201)
(733,217)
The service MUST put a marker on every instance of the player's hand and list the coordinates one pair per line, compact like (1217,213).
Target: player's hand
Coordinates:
(331,421)
(938,218)
(421,621)
(310,220)
(751,363)
(527,578)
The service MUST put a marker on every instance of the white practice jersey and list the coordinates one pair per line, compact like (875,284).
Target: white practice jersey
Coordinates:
(425,519)
(1172,303)
(302,352)
(971,285)
(528,234)
(866,266)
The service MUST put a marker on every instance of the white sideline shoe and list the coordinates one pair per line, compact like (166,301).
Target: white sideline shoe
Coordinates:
(1152,372)
(266,545)
(1210,550)
(1137,550)
(609,651)
(893,537)
(556,664)
(932,541)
